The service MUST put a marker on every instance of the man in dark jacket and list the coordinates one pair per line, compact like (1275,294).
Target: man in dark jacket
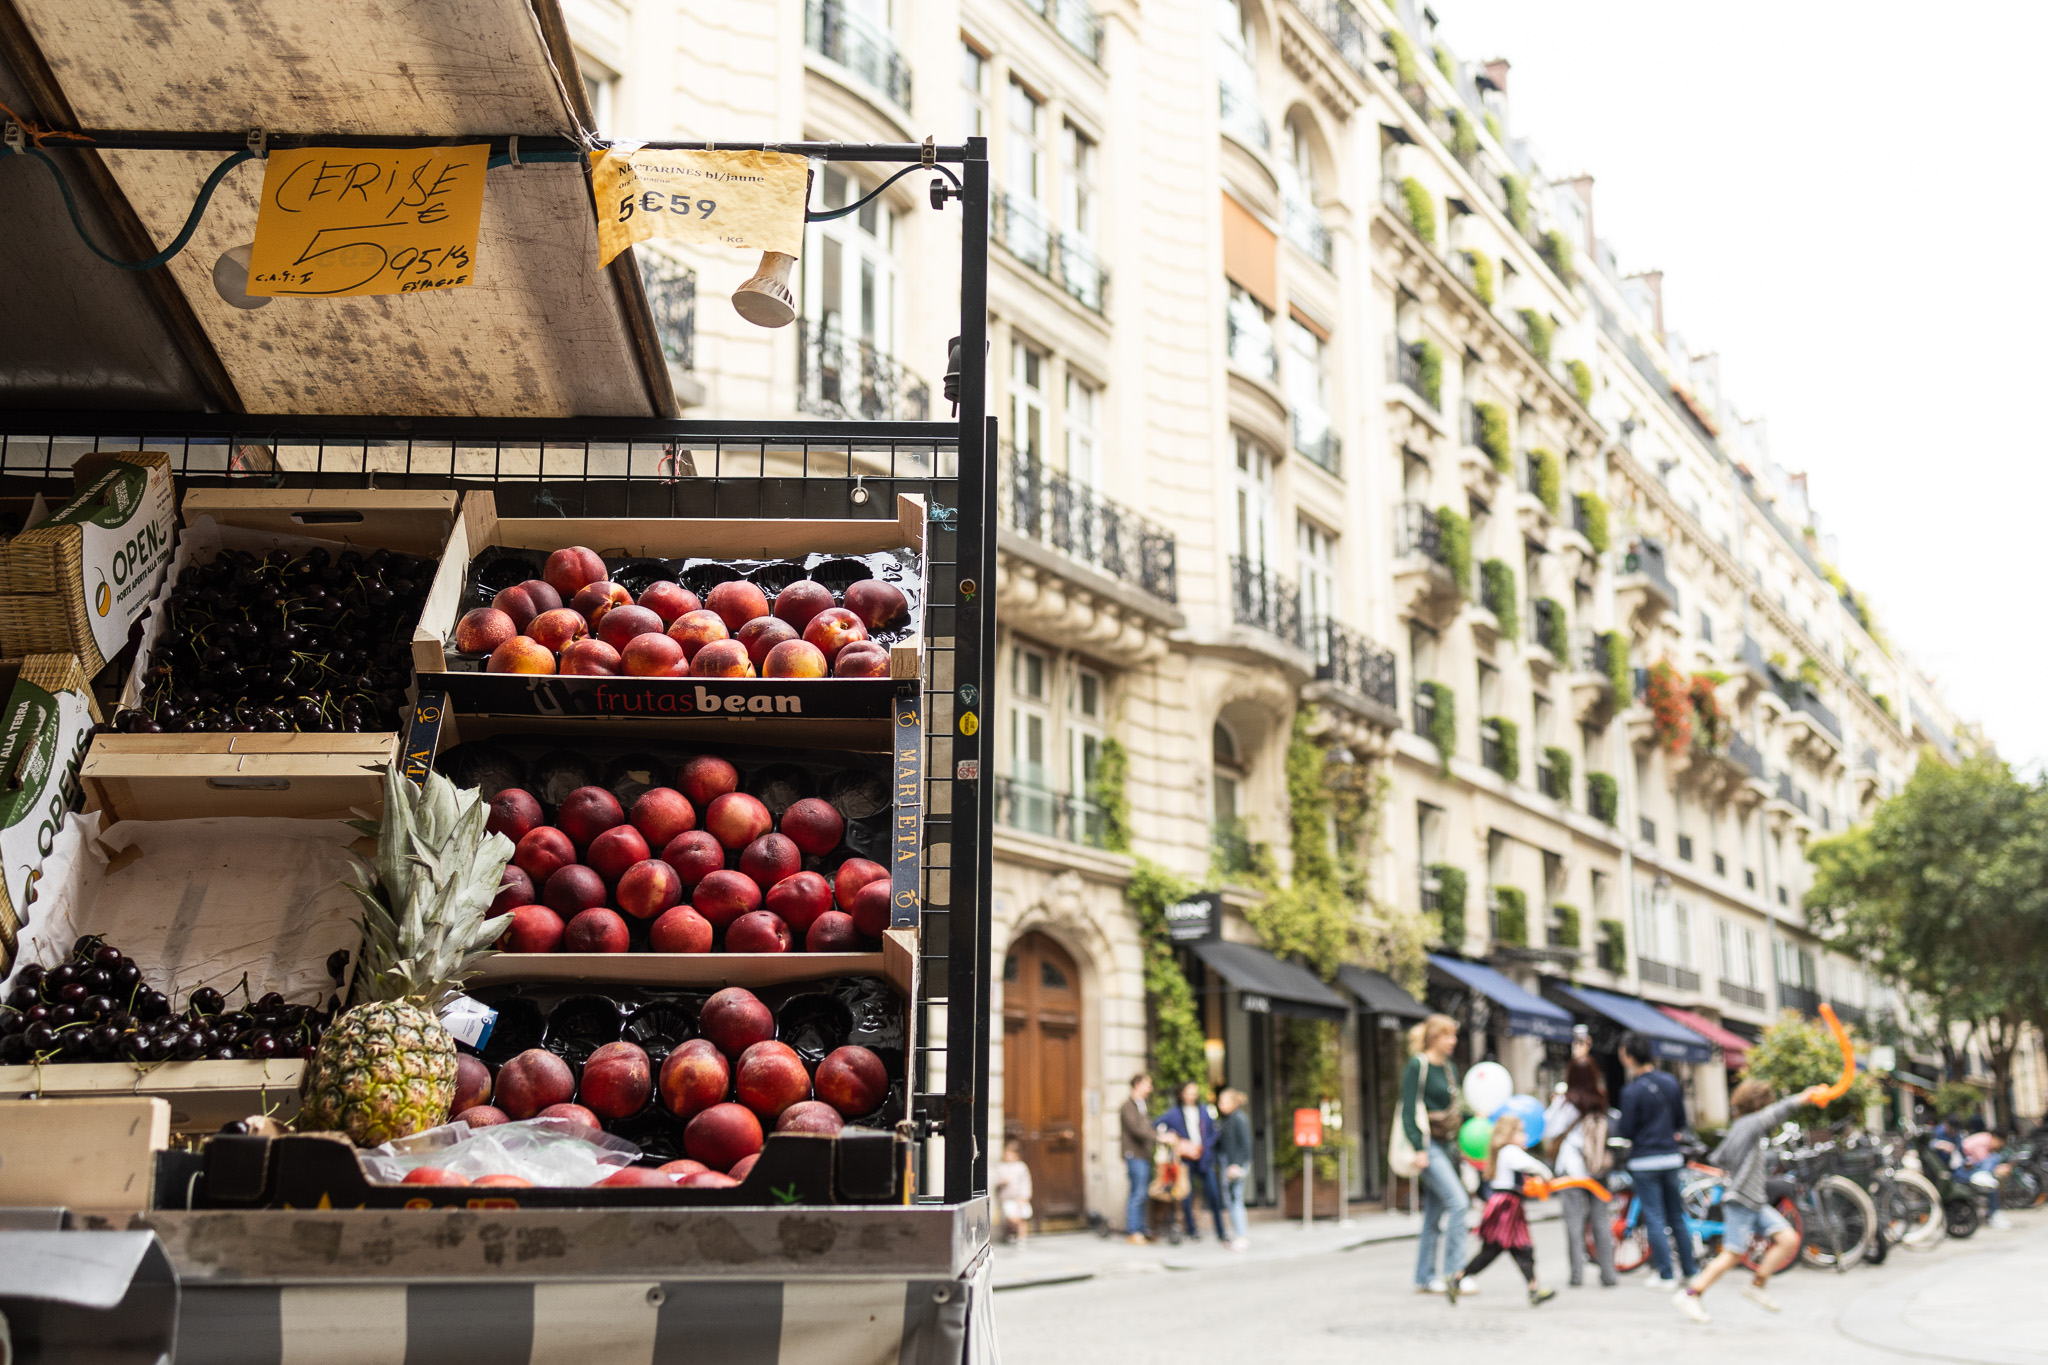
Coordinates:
(1192,1128)
(1652,1117)
(1135,1123)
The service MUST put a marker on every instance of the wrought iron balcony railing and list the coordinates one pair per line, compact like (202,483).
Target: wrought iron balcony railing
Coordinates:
(1424,716)
(1074,21)
(1849,1014)
(1646,557)
(1799,998)
(1746,754)
(1547,783)
(1020,227)
(1418,532)
(1746,996)
(1242,117)
(1350,660)
(837,376)
(1047,506)
(1492,752)
(1407,372)
(1040,810)
(1303,224)
(672,297)
(1652,971)
(1314,439)
(831,30)
(1265,601)
(1547,627)
(1348,31)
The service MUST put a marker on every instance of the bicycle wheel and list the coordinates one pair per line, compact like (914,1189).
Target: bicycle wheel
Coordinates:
(1840,1229)
(2021,1189)
(1960,1216)
(1913,1217)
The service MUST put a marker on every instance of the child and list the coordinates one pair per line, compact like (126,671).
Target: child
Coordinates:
(1503,1227)
(1746,1210)
(1013,1192)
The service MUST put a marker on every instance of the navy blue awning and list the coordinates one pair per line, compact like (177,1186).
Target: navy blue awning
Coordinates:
(1527,1013)
(1668,1038)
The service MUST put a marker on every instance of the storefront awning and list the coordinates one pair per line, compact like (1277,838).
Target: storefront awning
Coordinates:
(1668,1040)
(1378,994)
(1527,1013)
(1267,985)
(1734,1047)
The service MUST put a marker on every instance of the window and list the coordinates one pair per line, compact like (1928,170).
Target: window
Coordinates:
(1085,735)
(1429,832)
(1720,865)
(1297,168)
(1706,627)
(1077,166)
(1025,156)
(1226,774)
(1749,958)
(1083,420)
(1681,933)
(1489,690)
(1685,848)
(1316,555)
(1030,725)
(1647,937)
(973,91)
(1308,392)
(853,287)
(1250,327)
(1255,502)
(601,88)
(1028,424)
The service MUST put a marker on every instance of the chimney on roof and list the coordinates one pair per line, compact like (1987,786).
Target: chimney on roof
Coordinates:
(1653,281)
(1495,73)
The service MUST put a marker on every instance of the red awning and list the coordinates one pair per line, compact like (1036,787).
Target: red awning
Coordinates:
(1734,1047)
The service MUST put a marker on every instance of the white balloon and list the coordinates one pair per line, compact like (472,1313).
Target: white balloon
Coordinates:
(1487,1087)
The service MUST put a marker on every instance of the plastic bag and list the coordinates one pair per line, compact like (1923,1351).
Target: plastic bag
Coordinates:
(557,1152)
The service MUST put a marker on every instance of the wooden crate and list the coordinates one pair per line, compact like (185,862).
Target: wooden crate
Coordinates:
(180,777)
(95,1156)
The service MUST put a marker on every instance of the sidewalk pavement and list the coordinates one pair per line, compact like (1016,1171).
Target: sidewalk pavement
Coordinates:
(1067,1257)
(1983,1306)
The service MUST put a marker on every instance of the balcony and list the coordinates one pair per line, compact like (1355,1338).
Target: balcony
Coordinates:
(1242,117)
(1074,21)
(1407,372)
(672,298)
(1424,713)
(1746,996)
(1657,973)
(1493,751)
(1314,439)
(843,378)
(1547,783)
(1019,226)
(1432,889)
(1052,815)
(1798,998)
(831,31)
(1353,662)
(1746,755)
(1424,579)
(1548,628)
(1265,602)
(1792,796)
(1052,509)
(1849,1014)
(1302,222)
(1250,338)
(1609,958)
(1645,581)
(1346,30)
(1420,533)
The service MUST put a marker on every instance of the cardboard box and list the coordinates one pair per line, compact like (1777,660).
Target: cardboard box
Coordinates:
(300,775)
(474,692)
(43,736)
(75,582)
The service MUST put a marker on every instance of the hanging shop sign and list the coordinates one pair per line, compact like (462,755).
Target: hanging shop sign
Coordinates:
(1197,918)
(750,200)
(341,222)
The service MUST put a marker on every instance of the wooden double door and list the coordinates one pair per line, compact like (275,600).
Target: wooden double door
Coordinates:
(1042,1072)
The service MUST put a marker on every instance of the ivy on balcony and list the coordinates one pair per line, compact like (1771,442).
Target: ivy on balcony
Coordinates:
(1553,631)
(1493,126)
(1464,136)
(1429,371)
(1560,761)
(1482,276)
(1454,534)
(1556,251)
(1581,375)
(1616,938)
(1421,209)
(1567,919)
(1539,330)
(1547,474)
(1515,196)
(1510,916)
(1446,65)
(1450,903)
(1406,72)
(1497,595)
(1490,433)
(1592,521)
(1443,721)
(1613,656)
(1507,742)
(1603,798)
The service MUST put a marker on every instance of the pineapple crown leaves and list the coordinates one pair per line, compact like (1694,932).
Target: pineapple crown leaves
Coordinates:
(435,873)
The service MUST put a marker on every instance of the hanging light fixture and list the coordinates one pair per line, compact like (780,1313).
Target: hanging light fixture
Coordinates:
(231,278)
(766,299)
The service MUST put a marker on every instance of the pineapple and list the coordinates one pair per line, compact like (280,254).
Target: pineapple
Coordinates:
(386,1066)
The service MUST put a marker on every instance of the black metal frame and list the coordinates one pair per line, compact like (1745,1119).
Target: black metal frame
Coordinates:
(653,467)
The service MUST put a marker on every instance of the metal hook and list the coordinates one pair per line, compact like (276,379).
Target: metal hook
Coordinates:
(859,495)
(258,143)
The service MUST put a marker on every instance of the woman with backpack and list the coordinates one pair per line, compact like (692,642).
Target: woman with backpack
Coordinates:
(1577,1120)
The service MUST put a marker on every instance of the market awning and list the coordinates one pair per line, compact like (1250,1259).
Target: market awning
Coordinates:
(1526,1012)
(1268,985)
(1668,1040)
(1378,994)
(1734,1047)
(544,332)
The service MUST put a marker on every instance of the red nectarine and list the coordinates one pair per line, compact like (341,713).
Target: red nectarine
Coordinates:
(680,929)
(814,824)
(737,602)
(483,630)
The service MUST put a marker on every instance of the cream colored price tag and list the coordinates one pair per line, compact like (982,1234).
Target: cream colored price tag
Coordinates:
(750,200)
(341,221)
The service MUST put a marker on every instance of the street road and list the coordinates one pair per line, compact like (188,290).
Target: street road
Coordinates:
(1984,1300)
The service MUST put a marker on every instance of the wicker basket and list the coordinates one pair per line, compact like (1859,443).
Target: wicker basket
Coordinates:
(75,583)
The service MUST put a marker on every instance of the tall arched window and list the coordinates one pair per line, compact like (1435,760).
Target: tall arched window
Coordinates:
(1226,791)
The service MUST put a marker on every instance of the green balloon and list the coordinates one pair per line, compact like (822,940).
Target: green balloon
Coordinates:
(1474,1137)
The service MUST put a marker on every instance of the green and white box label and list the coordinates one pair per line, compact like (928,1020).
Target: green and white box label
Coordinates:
(43,737)
(127,520)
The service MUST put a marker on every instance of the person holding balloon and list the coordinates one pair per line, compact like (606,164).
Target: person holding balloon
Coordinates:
(1504,1227)
(1429,1123)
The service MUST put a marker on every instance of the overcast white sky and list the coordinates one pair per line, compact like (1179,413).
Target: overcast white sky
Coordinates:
(1844,206)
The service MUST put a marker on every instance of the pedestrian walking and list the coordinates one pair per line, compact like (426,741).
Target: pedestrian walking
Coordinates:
(1505,1226)
(1191,1127)
(1652,1117)
(1234,1154)
(1578,1118)
(1135,1123)
(1746,1211)
(1010,1182)
(1429,1121)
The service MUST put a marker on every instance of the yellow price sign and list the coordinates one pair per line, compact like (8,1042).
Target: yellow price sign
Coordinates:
(750,200)
(340,222)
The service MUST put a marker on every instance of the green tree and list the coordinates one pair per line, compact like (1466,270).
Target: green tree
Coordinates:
(1944,890)
(1797,1052)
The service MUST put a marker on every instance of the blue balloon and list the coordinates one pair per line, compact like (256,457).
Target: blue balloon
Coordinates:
(1527,1110)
